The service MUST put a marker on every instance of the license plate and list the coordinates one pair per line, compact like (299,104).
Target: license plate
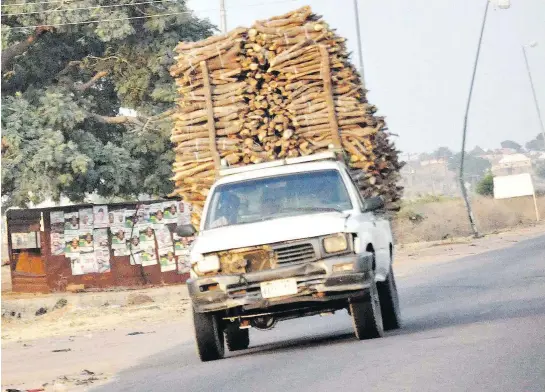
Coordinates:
(278,288)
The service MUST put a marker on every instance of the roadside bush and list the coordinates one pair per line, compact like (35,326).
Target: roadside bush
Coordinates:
(485,187)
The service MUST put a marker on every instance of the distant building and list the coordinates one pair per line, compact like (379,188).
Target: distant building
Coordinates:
(512,164)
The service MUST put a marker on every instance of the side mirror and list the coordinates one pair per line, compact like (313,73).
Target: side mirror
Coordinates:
(185,230)
(373,204)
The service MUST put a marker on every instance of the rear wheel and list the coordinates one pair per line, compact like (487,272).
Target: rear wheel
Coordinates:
(209,336)
(389,302)
(236,338)
(366,314)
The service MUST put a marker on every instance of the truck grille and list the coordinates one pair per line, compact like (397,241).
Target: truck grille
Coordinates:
(295,253)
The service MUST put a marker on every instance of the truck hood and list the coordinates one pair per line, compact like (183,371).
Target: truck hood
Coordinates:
(270,231)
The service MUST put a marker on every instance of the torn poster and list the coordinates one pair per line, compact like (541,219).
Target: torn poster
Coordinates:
(86,218)
(164,237)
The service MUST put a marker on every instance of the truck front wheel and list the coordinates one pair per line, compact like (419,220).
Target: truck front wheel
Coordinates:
(389,302)
(209,336)
(236,338)
(366,314)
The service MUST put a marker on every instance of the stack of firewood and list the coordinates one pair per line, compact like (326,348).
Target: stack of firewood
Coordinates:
(283,88)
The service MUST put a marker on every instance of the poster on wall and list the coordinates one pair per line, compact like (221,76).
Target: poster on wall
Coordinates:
(57,221)
(142,215)
(86,240)
(184,213)
(119,236)
(71,221)
(121,252)
(184,265)
(71,241)
(130,218)
(181,244)
(86,218)
(100,238)
(170,212)
(84,263)
(100,216)
(156,215)
(135,258)
(148,255)
(133,244)
(164,237)
(117,218)
(24,240)
(103,260)
(167,260)
(147,234)
(57,243)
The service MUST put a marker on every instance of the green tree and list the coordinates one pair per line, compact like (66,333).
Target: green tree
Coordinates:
(64,81)
(473,166)
(511,144)
(537,144)
(442,153)
(485,187)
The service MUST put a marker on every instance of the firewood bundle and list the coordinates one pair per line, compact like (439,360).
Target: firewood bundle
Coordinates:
(282,88)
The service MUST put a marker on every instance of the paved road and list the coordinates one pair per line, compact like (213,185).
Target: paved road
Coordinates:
(475,324)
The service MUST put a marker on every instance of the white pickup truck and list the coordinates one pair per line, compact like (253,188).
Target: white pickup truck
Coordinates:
(286,239)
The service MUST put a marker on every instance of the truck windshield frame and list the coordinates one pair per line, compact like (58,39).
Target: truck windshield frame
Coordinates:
(273,197)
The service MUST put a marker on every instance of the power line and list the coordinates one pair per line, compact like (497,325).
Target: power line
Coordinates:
(87,8)
(137,17)
(100,20)
(39,2)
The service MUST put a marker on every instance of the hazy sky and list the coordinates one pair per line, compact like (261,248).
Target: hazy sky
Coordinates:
(418,57)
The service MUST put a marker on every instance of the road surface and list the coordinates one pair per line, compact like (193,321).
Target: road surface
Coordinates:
(475,324)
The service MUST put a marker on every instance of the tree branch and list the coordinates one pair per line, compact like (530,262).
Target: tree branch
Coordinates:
(84,86)
(136,120)
(9,54)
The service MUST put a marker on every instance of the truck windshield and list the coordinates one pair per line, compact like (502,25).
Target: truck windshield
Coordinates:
(276,197)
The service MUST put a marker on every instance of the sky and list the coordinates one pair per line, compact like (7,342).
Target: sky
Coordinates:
(418,58)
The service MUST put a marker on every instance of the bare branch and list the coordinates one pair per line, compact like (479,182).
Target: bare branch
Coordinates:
(136,120)
(84,86)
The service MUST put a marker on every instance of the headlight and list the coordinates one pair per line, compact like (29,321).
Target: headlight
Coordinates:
(208,263)
(335,243)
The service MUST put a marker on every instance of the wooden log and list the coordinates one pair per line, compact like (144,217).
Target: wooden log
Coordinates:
(328,94)
(210,119)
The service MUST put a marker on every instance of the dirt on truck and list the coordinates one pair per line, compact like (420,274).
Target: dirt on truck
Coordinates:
(288,170)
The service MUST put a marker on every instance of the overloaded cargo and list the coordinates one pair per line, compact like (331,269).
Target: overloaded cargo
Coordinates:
(283,88)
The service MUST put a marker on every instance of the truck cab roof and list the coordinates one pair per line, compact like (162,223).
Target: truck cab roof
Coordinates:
(280,169)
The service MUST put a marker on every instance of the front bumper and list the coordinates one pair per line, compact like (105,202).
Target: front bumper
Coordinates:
(316,282)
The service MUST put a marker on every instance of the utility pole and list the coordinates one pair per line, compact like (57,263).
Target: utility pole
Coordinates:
(358,35)
(223,17)
(533,89)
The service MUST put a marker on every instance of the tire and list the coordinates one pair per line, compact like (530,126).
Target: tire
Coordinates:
(366,314)
(209,336)
(236,338)
(389,302)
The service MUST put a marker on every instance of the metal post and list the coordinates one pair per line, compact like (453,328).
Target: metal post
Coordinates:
(223,17)
(534,93)
(462,157)
(358,35)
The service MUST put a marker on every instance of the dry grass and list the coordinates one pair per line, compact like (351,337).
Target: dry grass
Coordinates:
(432,220)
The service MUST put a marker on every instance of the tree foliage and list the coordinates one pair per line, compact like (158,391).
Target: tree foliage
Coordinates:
(473,166)
(485,187)
(511,144)
(442,153)
(537,144)
(63,84)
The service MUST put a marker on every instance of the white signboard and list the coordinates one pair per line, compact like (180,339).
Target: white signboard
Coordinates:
(517,185)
